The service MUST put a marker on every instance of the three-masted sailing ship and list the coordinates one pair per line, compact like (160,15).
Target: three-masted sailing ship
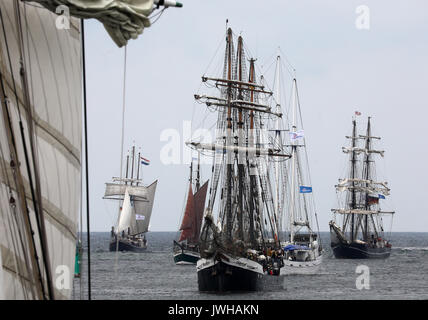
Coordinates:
(240,222)
(361,233)
(136,206)
(302,251)
(186,248)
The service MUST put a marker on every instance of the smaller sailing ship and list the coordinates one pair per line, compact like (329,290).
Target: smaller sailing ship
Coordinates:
(136,207)
(186,249)
(302,252)
(361,234)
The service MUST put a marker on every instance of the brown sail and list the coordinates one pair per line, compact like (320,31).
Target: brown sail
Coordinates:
(193,214)
(188,218)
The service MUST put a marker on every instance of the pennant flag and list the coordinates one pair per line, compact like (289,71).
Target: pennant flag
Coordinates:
(381,196)
(145,161)
(139,217)
(357,113)
(296,135)
(304,189)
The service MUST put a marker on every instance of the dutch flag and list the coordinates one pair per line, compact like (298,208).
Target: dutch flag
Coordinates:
(145,161)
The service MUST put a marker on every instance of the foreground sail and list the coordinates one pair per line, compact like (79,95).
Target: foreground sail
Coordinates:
(136,208)
(233,248)
(361,233)
(186,248)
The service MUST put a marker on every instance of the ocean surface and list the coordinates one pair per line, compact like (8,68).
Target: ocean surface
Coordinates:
(153,274)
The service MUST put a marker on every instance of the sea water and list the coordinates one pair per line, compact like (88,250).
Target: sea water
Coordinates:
(153,274)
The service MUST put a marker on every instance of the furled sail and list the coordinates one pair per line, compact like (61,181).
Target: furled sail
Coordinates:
(193,215)
(123,19)
(115,189)
(40,151)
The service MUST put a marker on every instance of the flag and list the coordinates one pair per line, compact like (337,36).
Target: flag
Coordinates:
(381,196)
(357,113)
(372,199)
(304,189)
(296,135)
(145,161)
(139,217)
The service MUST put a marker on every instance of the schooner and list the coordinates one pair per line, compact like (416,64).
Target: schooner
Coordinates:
(240,222)
(136,206)
(360,235)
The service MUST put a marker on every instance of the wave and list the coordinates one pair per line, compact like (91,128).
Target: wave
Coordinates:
(411,248)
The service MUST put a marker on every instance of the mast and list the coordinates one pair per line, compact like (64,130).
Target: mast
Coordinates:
(240,142)
(198,178)
(133,161)
(253,182)
(293,165)
(229,140)
(353,171)
(277,134)
(138,167)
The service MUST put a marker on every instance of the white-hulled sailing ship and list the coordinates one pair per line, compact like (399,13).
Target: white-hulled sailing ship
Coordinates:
(136,206)
(240,222)
(360,234)
(302,251)
(186,248)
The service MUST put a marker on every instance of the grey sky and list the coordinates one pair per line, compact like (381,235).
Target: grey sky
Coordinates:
(381,72)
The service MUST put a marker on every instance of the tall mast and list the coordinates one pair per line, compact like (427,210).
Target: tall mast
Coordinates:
(353,170)
(229,217)
(293,164)
(253,183)
(367,177)
(277,136)
(240,141)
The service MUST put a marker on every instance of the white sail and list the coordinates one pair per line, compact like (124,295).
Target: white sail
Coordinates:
(127,216)
(52,119)
(143,210)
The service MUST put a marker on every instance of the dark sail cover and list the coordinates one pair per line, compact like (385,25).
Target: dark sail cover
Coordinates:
(193,214)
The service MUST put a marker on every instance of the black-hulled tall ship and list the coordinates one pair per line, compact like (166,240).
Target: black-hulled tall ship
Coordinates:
(136,203)
(361,233)
(240,216)
(186,248)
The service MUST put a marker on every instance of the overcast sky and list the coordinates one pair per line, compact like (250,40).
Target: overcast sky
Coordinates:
(381,72)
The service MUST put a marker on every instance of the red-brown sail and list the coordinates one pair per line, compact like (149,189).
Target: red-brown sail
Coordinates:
(188,218)
(193,215)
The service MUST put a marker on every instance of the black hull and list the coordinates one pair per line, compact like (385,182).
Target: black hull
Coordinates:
(124,245)
(223,277)
(359,251)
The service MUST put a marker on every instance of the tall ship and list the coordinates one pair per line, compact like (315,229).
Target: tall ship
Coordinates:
(302,250)
(135,206)
(360,234)
(240,222)
(186,248)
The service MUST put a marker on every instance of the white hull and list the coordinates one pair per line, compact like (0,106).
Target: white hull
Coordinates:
(301,267)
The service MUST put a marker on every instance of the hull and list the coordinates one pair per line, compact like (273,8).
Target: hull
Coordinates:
(359,251)
(228,274)
(124,245)
(186,257)
(301,267)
